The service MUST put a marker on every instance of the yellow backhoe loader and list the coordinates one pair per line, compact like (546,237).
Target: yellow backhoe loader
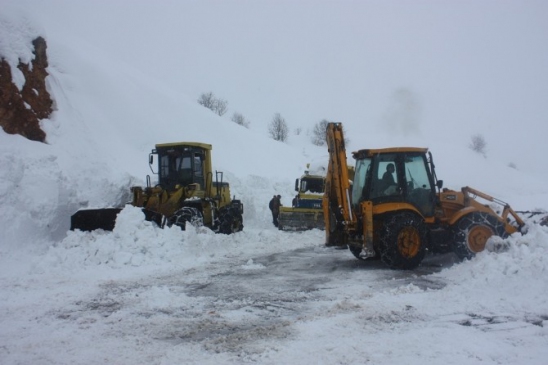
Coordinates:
(186,192)
(396,209)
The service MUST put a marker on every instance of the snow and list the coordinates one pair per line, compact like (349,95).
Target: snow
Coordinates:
(139,294)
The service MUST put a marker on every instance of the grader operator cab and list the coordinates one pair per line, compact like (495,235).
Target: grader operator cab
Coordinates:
(396,209)
(186,192)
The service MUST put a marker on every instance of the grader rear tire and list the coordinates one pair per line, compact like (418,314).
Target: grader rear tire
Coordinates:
(472,231)
(402,241)
(231,220)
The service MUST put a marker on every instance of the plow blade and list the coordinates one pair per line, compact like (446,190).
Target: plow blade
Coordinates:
(295,219)
(92,219)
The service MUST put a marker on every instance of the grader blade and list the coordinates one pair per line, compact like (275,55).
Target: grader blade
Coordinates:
(105,219)
(92,219)
(295,219)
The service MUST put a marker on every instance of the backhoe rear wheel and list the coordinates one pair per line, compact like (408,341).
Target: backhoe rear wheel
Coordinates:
(471,232)
(402,241)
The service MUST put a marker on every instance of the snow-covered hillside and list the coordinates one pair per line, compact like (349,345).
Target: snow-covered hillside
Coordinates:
(112,107)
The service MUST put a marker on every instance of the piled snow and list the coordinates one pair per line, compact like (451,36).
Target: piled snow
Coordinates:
(111,111)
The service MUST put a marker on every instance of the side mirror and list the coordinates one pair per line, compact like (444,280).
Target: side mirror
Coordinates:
(150,161)
(296,184)
(439,184)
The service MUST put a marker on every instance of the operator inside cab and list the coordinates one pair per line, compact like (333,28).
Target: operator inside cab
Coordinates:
(388,181)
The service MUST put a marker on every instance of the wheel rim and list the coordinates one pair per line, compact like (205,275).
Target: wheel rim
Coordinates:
(235,226)
(477,238)
(409,242)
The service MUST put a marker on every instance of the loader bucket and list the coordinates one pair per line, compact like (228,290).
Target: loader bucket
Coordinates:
(297,219)
(92,219)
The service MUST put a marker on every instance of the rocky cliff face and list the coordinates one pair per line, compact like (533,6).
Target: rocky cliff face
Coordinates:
(21,110)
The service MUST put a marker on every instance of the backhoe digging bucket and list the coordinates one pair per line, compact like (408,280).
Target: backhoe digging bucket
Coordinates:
(92,219)
(295,219)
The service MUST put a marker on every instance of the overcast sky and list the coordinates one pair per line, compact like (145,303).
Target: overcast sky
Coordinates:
(407,67)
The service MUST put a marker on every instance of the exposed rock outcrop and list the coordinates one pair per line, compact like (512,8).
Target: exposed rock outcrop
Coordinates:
(21,110)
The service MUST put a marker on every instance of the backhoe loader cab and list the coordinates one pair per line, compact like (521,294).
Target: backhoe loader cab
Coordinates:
(411,181)
(395,208)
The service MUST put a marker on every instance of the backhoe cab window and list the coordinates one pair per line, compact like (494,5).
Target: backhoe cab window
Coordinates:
(415,173)
(419,190)
(385,176)
(394,177)
(361,175)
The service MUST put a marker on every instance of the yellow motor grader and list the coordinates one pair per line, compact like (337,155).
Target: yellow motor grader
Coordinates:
(186,192)
(396,209)
(306,211)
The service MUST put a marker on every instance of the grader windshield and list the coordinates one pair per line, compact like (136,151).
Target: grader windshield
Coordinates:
(384,176)
(180,165)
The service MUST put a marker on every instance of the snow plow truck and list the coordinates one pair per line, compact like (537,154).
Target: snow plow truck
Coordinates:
(306,211)
(396,209)
(187,192)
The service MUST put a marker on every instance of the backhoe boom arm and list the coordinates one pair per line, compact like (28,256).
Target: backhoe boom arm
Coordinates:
(337,186)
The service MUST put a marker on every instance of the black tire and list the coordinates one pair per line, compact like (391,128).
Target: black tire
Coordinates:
(471,232)
(356,250)
(186,215)
(230,220)
(403,241)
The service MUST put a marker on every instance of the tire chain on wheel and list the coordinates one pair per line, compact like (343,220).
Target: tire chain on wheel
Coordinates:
(463,226)
(184,215)
(388,245)
(228,218)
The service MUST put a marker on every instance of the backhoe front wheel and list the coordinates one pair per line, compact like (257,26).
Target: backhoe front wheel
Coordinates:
(402,241)
(471,233)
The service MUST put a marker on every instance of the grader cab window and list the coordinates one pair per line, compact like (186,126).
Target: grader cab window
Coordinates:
(198,168)
(184,166)
(181,167)
(312,185)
